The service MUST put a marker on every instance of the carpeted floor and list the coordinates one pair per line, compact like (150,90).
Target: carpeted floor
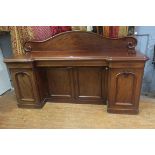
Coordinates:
(65,115)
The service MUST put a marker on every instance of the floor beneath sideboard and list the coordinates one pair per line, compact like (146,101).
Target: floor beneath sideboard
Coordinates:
(64,115)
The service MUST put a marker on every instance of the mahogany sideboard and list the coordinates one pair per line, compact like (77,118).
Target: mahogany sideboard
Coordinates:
(79,67)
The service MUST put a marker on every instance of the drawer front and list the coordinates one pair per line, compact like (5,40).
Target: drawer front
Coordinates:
(126,65)
(61,63)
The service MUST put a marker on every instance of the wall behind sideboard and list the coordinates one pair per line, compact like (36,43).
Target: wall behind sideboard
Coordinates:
(146,42)
(5,44)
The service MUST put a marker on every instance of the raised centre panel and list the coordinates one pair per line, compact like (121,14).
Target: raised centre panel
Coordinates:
(90,84)
(124,90)
(60,83)
(25,86)
(24,83)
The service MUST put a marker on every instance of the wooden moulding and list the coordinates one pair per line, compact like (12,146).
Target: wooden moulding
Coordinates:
(80,40)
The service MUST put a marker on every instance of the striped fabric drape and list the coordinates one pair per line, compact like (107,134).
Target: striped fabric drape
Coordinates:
(117,31)
(113,31)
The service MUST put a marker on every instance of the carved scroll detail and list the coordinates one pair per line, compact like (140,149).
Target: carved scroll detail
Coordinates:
(27,47)
(131,44)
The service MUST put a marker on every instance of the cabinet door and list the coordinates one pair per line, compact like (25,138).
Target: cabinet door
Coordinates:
(25,86)
(124,90)
(60,83)
(90,84)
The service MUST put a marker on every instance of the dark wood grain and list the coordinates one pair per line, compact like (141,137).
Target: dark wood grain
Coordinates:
(81,41)
(60,82)
(80,67)
(89,83)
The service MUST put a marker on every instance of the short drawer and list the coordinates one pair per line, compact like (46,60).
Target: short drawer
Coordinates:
(63,63)
(126,64)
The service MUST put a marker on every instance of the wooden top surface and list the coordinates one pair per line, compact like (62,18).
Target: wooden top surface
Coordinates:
(77,45)
(109,55)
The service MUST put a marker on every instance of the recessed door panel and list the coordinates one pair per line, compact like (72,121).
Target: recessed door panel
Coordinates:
(125,83)
(24,84)
(124,88)
(60,82)
(89,81)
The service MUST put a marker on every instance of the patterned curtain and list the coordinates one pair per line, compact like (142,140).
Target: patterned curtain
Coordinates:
(59,29)
(19,35)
